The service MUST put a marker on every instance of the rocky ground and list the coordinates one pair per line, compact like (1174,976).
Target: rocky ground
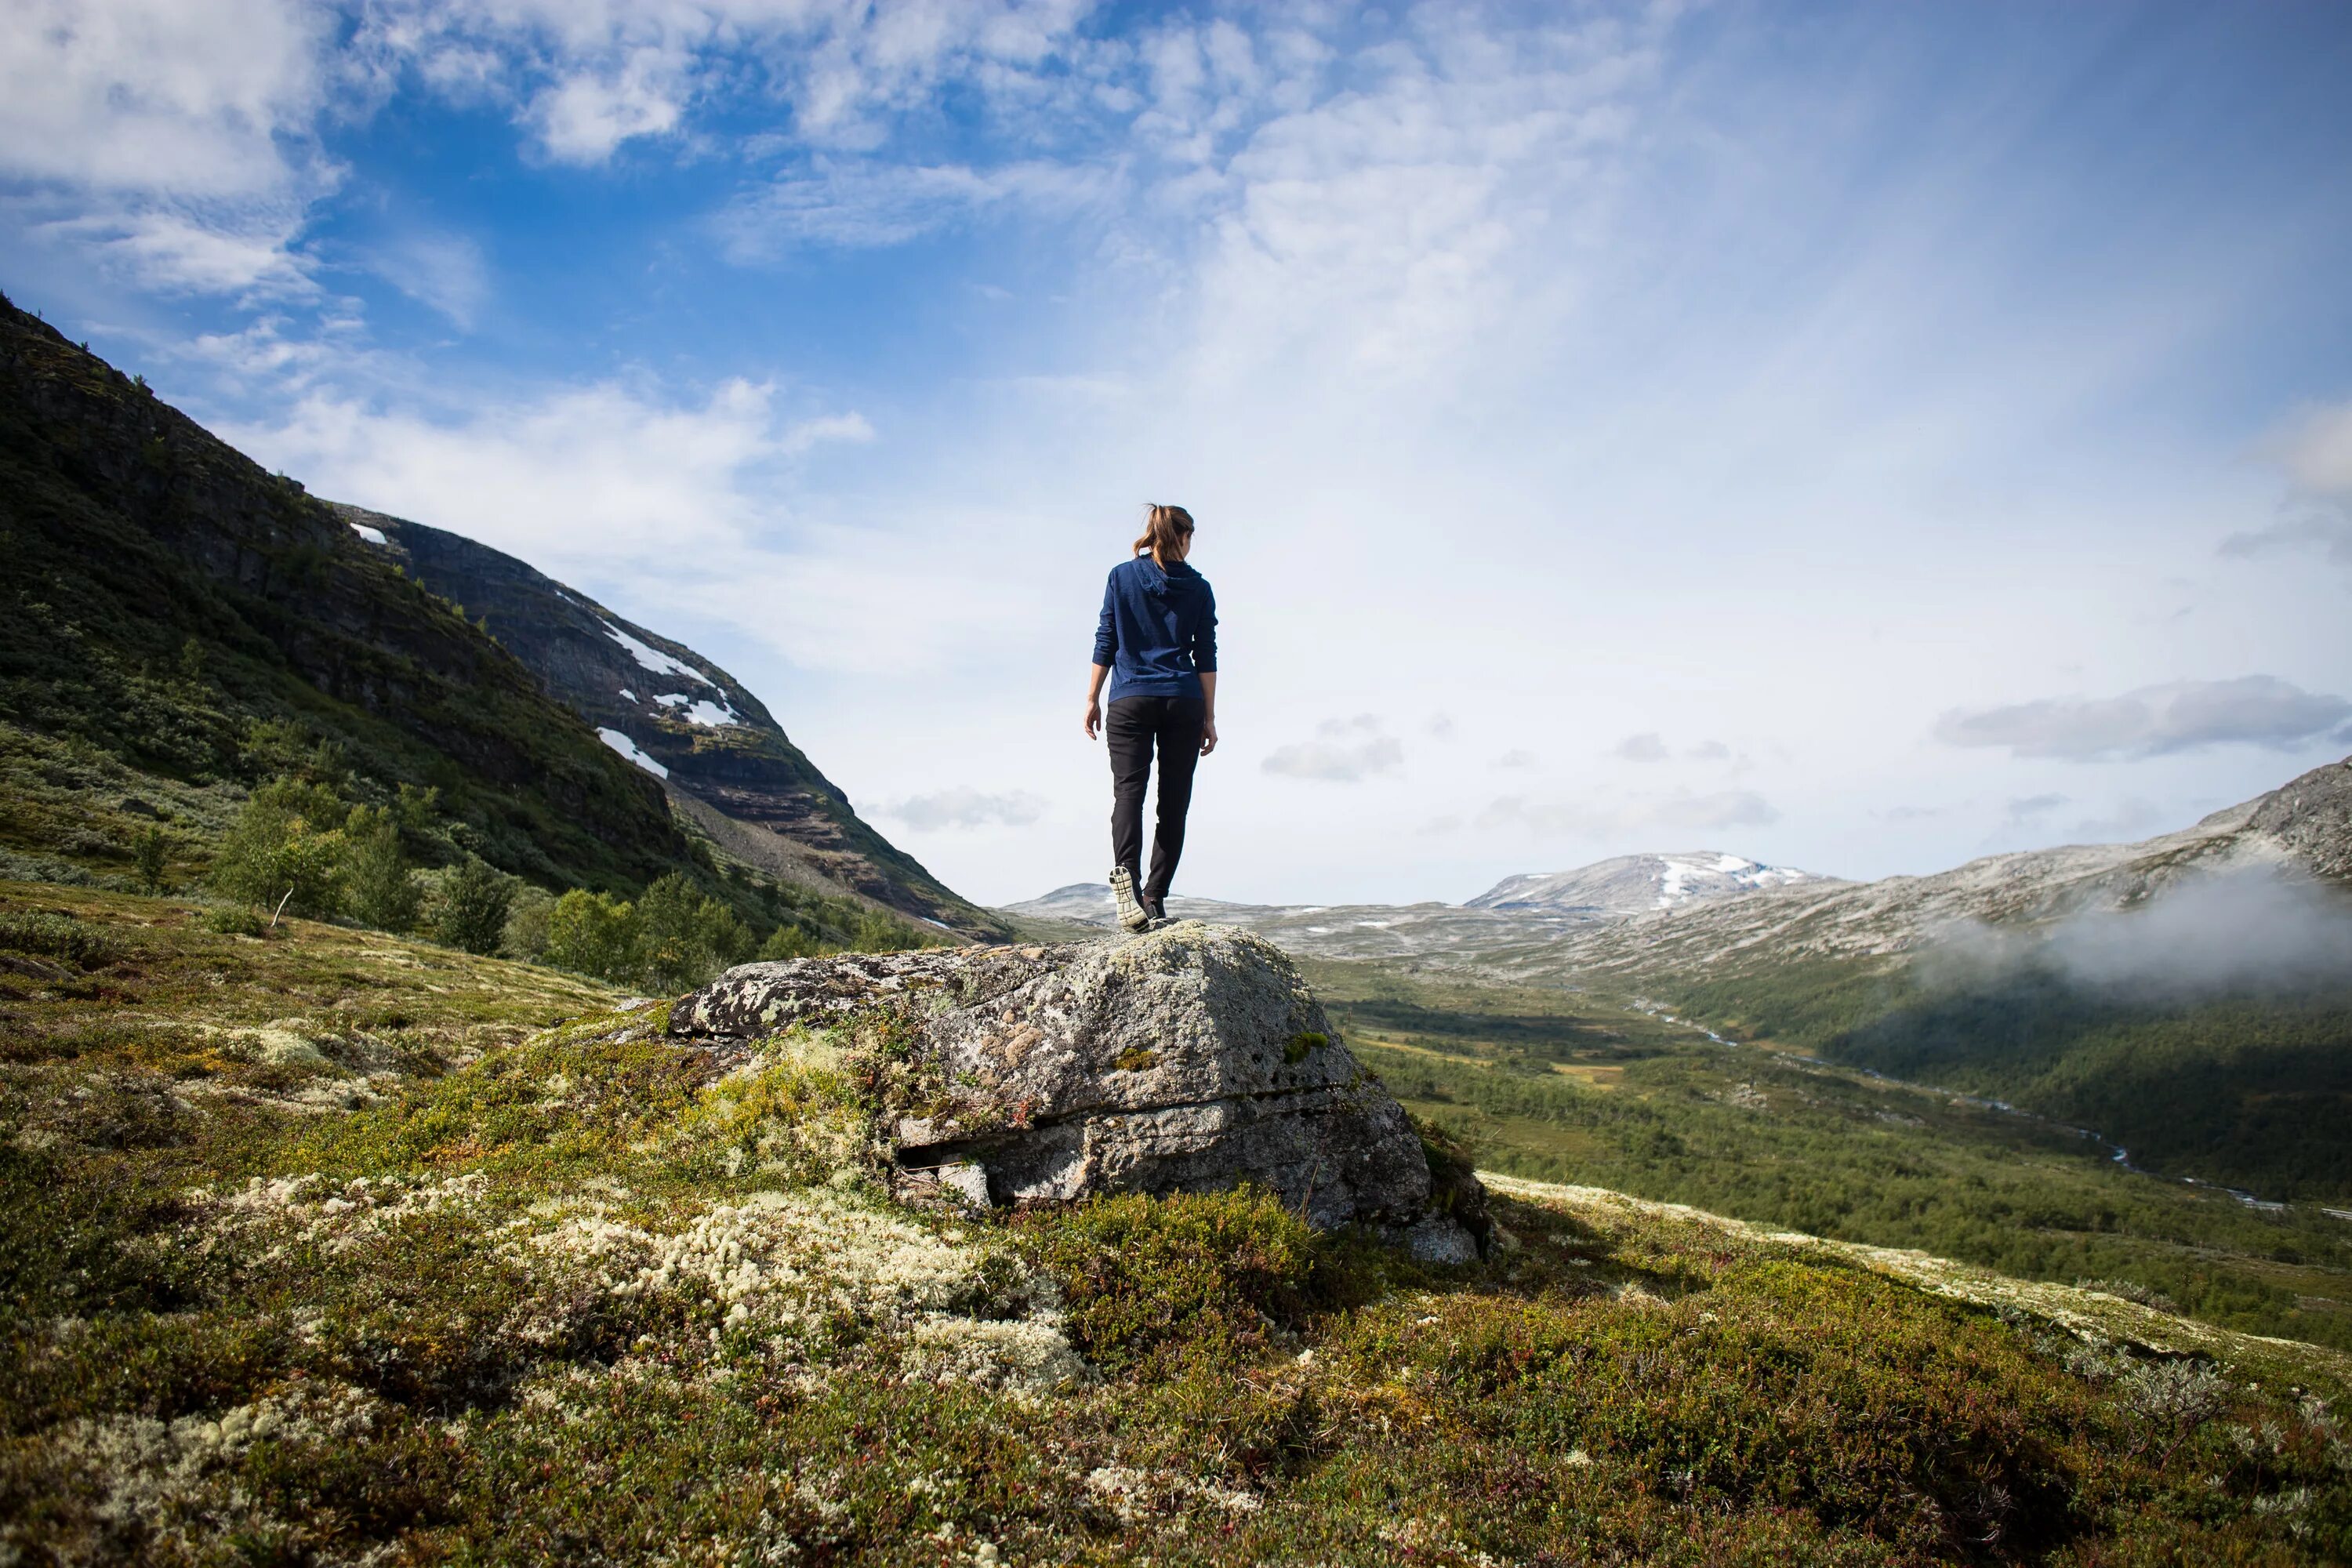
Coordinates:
(330,1248)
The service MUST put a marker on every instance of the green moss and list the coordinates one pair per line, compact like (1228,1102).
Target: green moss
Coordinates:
(1136,1058)
(1295,1049)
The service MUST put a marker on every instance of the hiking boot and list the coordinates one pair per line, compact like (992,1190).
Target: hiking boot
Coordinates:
(1156,909)
(1132,915)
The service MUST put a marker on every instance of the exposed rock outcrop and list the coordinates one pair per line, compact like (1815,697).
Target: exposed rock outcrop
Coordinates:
(1193,1058)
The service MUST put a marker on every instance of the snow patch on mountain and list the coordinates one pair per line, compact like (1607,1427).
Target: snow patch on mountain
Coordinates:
(628,748)
(1635,884)
(373,535)
(710,715)
(652,657)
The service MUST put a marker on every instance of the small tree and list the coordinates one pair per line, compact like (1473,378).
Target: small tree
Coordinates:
(379,887)
(277,856)
(686,938)
(151,853)
(592,933)
(474,897)
(526,935)
(790,941)
(879,933)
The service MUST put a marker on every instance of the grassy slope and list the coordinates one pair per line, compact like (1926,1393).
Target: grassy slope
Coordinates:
(163,591)
(1566,1088)
(163,595)
(327,1243)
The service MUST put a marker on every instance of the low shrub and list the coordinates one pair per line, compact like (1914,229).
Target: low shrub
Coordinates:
(58,936)
(1150,1283)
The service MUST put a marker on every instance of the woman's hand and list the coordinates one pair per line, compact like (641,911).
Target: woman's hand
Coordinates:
(1208,736)
(1096,675)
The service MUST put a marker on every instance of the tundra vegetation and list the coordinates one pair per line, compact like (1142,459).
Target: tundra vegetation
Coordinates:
(338,1246)
(1562,1087)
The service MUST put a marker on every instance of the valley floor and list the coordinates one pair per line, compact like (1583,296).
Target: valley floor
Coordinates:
(1560,1086)
(334,1248)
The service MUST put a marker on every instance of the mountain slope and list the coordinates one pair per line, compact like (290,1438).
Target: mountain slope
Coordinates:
(2299,828)
(2190,997)
(175,614)
(720,754)
(1635,884)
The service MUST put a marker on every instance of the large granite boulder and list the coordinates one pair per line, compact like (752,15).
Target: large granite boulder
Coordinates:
(1192,1059)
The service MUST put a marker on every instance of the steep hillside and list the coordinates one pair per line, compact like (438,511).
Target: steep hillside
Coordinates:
(178,622)
(723,759)
(1636,884)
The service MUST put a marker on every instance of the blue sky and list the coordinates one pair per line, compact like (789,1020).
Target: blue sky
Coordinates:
(1860,437)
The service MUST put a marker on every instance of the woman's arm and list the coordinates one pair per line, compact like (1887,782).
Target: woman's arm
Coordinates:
(1094,698)
(1209,712)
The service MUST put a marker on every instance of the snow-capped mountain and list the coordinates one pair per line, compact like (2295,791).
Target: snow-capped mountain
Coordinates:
(1636,884)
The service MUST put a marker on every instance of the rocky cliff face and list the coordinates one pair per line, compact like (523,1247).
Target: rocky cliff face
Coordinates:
(717,750)
(1193,1058)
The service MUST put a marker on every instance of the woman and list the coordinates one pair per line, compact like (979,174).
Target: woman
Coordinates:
(1159,633)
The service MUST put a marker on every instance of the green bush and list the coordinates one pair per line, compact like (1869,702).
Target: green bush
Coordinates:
(150,855)
(58,936)
(790,941)
(380,889)
(877,933)
(1149,1283)
(592,933)
(527,925)
(285,851)
(686,938)
(472,914)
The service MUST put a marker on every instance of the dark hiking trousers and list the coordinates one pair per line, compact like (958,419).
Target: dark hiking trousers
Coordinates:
(1133,726)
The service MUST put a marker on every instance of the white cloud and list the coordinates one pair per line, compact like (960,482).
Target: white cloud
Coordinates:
(190,97)
(1646,747)
(172,140)
(582,118)
(2314,451)
(2153,721)
(965,808)
(1516,759)
(1348,750)
(243,248)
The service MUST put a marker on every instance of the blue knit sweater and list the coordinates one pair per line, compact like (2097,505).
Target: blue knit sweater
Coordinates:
(1158,631)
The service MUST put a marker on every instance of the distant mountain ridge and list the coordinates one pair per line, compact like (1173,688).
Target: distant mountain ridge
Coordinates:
(1635,884)
(1636,914)
(717,751)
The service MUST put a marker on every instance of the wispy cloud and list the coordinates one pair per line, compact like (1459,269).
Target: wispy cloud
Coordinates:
(865,205)
(2315,452)
(444,272)
(1648,747)
(2154,720)
(964,809)
(1348,750)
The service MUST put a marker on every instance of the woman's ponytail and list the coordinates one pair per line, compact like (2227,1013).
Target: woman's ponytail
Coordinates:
(1166,534)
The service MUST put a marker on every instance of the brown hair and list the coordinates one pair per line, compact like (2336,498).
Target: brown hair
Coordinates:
(1166,534)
